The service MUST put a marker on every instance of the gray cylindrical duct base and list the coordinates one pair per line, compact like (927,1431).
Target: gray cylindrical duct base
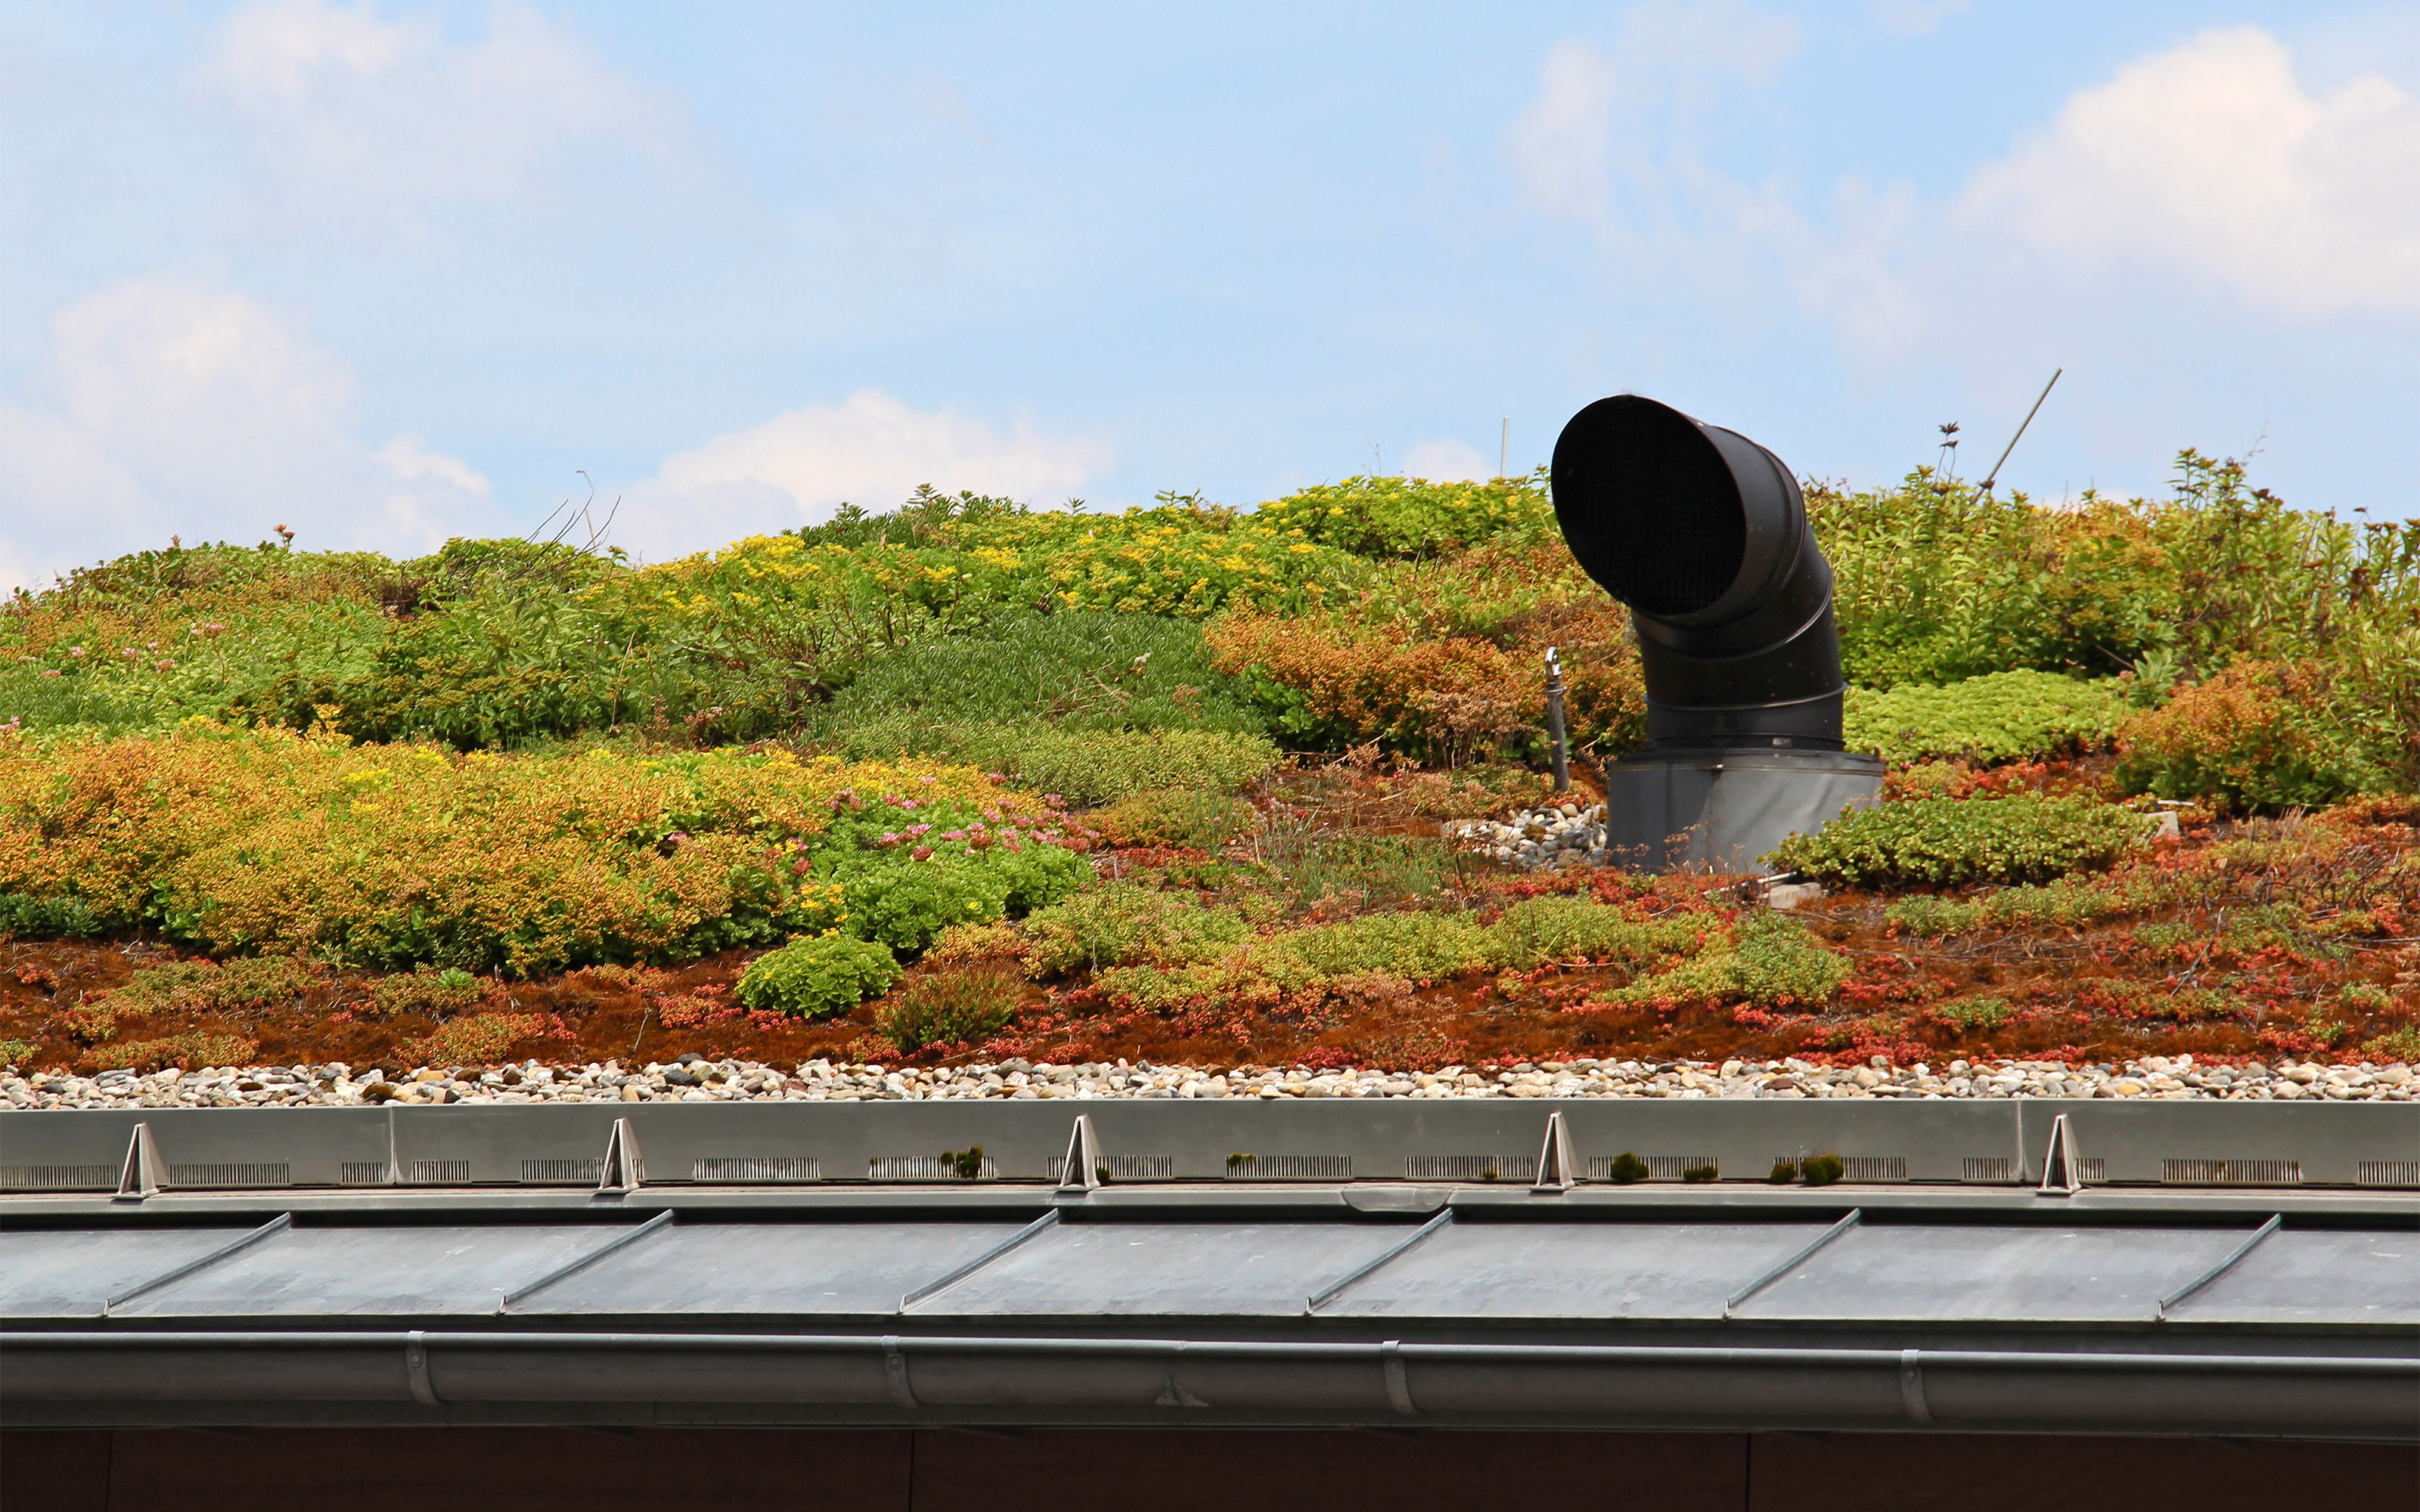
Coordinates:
(1722,809)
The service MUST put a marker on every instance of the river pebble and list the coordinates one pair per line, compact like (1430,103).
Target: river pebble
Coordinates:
(2154,1077)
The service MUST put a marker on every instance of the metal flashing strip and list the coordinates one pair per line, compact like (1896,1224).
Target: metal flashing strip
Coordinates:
(571,1267)
(274,1226)
(2244,1206)
(1805,1252)
(2234,1257)
(953,1278)
(1372,1265)
(2340,1144)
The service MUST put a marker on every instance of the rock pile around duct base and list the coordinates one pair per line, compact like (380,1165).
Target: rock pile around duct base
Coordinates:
(1540,840)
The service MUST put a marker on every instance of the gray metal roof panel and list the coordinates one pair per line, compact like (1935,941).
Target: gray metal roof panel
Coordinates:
(2321,1277)
(391,1271)
(1146,1269)
(1572,1270)
(785,1268)
(1942,1273)
(72,1272)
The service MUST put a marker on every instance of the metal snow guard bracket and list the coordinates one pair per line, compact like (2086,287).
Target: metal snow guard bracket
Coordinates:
(594,1147)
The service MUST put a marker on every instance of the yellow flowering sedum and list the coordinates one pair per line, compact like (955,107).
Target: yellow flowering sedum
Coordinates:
(237,841)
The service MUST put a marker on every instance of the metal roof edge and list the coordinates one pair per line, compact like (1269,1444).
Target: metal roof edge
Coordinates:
(1193,1380)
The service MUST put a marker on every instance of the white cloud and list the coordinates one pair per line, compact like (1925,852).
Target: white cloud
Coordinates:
(375,111)
(1447,461)
(1612,133)
(172,406)
(2203,165)
(1853,269)
(182,380)
(2211,158)
(1914,18)
(872,451)
(423,492)
(1560,144)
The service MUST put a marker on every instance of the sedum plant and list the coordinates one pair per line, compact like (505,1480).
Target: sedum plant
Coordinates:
(818,976)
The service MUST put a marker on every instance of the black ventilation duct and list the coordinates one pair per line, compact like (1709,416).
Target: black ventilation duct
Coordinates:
(1703,534)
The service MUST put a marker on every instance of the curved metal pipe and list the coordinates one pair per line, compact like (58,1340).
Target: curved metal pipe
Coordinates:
(1703,534)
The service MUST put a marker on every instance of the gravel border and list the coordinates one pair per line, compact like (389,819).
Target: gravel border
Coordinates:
(696,1080)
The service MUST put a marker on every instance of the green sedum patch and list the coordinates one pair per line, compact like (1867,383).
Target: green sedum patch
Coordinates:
(818,976)
(909,869)
(1420,946)
(1771,961)
(2069,902)
(1975,1014)
(1120,923)
(1087,766)
(1951,841)
(2000,716)
(1415,517)
(1575,929)
(951,1008)
(208,987)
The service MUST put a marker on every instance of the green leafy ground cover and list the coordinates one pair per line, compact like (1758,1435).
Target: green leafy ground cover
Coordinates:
(1172,778)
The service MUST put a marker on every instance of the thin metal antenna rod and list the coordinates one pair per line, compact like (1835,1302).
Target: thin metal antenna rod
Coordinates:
(1994,475)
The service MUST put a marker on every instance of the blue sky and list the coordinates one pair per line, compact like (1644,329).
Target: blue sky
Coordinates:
(390,271)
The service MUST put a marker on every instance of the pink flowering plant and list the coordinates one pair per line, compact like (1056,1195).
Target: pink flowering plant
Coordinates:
(910,867)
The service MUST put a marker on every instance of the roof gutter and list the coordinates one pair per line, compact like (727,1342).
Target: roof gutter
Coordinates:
(58,1377)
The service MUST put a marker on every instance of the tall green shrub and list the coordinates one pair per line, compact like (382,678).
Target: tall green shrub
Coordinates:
(2260,736)
(1936,583)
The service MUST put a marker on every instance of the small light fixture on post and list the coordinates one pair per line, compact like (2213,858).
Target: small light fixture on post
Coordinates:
(1555,720)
